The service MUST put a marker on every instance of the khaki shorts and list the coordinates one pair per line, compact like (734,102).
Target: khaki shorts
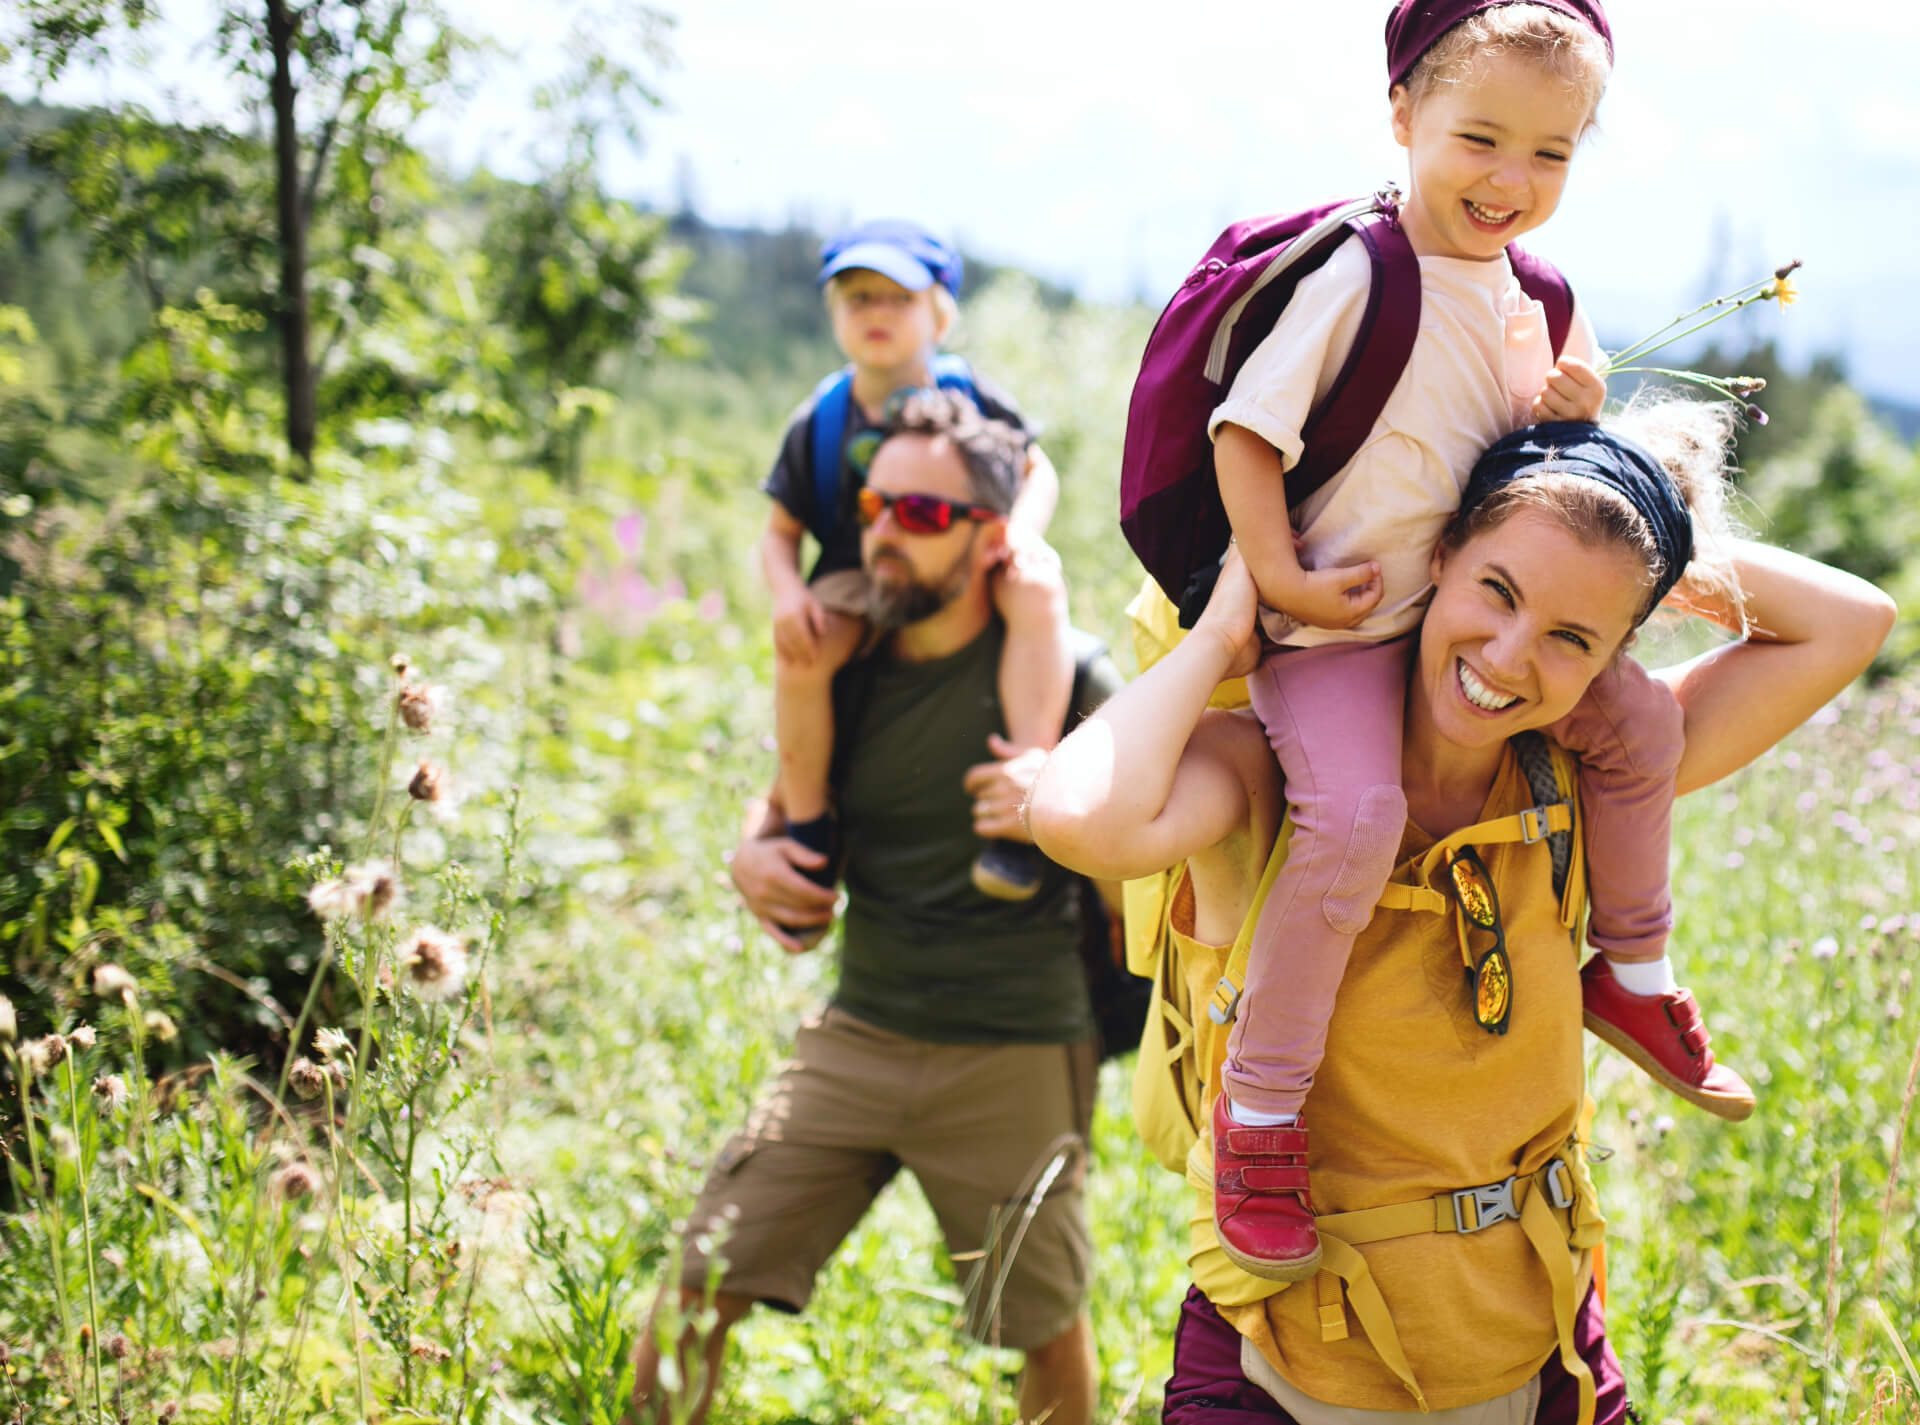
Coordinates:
(976,1124)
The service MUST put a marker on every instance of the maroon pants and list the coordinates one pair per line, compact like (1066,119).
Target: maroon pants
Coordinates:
(1208,1388)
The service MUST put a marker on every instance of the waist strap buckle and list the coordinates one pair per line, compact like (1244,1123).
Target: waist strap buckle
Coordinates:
(1489,1203)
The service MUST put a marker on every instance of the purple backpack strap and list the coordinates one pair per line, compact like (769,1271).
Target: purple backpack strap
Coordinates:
(1542,281)
(1340,424)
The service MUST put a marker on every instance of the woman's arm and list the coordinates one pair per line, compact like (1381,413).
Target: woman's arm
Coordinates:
(1812,630)
(1145,781)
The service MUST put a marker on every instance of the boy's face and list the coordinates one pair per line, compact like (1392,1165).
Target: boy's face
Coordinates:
(1487,157)
(879,324)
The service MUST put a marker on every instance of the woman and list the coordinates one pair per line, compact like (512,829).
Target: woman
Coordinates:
(1462,1094)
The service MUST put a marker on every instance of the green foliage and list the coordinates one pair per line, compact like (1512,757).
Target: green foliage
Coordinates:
(1848,492)
(578,277)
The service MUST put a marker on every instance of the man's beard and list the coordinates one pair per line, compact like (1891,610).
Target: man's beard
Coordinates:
(892,606)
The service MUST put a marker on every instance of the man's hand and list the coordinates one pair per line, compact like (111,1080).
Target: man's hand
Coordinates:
(1574,392)
(999,789)
(798,625)
(792,909)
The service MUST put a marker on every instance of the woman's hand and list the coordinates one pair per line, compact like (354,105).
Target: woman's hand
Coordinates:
(1232,615)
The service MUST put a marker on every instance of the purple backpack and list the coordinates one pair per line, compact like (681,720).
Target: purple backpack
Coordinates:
(1170,506)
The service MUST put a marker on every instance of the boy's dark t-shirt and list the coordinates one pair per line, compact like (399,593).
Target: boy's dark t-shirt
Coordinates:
(923,953)
(791,479)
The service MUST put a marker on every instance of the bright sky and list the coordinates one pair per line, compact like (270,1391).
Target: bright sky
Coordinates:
(1105,145)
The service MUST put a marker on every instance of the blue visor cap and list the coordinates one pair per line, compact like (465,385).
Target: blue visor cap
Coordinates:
(906,252)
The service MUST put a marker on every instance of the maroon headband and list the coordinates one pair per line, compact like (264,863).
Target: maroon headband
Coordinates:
(1415,26)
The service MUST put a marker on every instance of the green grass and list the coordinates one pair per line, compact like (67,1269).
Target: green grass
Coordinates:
(633,1011)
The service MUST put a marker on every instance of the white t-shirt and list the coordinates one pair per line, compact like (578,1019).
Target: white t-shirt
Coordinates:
(1481,356)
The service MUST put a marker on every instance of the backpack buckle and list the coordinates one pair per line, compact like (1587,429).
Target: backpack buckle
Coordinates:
(1491,1202)
(1557,1179)
(1225,1003)
(1533,825)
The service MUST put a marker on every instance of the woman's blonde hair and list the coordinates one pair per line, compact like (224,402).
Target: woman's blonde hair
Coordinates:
(1693,441)
(1549,38)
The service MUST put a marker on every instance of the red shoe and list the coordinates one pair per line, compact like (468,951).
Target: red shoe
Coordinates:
(1261,1211)
(1664,1035)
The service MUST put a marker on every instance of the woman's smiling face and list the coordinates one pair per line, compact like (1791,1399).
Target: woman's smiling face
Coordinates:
(1524,617)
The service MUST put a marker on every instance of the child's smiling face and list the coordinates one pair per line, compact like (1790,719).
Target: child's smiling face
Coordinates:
(1488,156)
(879,324)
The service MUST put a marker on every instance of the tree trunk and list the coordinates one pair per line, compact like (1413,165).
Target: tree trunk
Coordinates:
(293,239)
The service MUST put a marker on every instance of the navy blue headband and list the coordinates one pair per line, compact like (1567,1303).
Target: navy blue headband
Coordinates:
(1576,448)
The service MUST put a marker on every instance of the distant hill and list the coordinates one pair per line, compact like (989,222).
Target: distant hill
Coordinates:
(764,311)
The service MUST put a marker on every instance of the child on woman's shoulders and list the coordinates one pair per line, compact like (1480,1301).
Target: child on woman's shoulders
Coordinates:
(1490,98)
(891,295)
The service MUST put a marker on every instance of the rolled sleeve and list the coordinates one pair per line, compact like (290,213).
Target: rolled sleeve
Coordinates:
(1294,366)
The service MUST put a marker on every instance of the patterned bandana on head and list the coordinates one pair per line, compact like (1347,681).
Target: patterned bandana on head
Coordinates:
(1415,26)
(1576,448)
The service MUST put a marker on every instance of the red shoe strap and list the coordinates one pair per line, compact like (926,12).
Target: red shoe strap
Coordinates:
(1262,1178)
(1267,1142)
(1683,1013)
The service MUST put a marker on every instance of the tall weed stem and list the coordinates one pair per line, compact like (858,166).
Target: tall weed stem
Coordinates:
(86,1233)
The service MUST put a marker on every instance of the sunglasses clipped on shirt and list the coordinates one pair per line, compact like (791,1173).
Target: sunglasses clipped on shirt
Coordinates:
(919,514)
(1490,973)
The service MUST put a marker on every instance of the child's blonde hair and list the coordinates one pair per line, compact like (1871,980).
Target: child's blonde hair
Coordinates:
(946,310)
(1549,38)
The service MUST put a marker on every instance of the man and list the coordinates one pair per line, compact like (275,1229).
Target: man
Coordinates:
(959,1042)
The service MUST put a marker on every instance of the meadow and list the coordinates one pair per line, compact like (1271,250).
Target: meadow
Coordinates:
(457,1202)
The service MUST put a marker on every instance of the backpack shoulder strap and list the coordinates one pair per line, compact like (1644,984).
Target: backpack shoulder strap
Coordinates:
(1088,649)
(1537,760)
(827,437)
(1543,282)
(1340,424)
(1554,818)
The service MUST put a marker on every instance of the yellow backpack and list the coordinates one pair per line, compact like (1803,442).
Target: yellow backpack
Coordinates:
(1195,989)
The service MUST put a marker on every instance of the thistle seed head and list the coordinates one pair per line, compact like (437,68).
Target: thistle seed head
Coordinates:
(161,1027)
(429,781)
(332,1044)
(112,981)
(292,1183)
(420,705)
(305,1078)
(111,1091)
(435,963)
(40,1055)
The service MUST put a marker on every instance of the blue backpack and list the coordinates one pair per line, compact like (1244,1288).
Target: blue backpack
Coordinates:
(827,431)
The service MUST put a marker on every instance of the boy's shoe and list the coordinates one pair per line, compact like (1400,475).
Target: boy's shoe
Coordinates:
(821,834)
(1261,1211)
(1664,1035)
(1009,871)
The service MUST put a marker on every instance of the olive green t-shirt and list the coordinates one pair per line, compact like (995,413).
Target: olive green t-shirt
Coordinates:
(922,953)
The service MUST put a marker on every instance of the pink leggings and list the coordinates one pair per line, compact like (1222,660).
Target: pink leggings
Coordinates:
(1333,715)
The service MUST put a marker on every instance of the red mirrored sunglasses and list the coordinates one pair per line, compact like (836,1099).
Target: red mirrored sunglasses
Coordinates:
(919,514)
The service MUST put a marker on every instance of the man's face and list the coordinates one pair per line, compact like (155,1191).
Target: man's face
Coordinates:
(914,576)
